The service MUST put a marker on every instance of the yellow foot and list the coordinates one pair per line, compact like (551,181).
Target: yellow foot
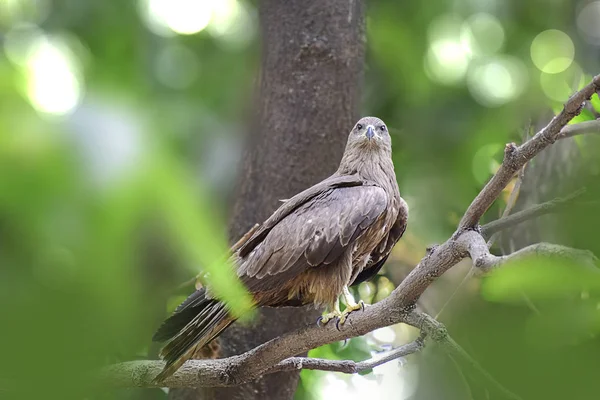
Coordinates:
(335,313)
(349,308)
(325,318)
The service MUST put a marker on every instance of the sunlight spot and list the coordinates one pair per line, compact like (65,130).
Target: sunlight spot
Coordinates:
(231,23)
(552,51)
(447,61)
(385,335)
(334,387)
(53,82)
(497,80)
(560,86)
(482,33)
(184,17)
(448,58)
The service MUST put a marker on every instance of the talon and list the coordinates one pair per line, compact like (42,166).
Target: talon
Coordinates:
(351,305)
(324,319)
(335,313)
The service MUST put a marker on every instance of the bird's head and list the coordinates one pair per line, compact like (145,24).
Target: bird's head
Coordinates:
(370,133)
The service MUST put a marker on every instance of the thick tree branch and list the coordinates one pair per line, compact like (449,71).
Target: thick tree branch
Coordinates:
(275,355)
(467,241)
(516,156)
(533,212)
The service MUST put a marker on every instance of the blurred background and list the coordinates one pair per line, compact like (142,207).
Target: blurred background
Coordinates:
(122,125)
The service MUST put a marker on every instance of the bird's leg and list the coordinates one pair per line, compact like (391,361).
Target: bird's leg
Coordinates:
(334,313)
(351,305)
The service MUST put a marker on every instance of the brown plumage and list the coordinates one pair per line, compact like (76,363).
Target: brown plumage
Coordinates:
(334,234)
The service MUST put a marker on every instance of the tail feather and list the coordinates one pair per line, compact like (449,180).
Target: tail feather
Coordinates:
(183,315)
(189,328)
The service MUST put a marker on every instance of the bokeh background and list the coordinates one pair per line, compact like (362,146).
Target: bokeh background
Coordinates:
(121,130)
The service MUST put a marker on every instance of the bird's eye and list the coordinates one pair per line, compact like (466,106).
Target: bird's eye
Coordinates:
(359,127)
(383,128)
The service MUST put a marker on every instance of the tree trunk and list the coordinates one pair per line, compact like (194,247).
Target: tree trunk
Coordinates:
(312,65)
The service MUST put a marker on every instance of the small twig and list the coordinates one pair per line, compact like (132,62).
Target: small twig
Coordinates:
(348,366)
(514,194)
(474,244)
(582,128)
(554,205)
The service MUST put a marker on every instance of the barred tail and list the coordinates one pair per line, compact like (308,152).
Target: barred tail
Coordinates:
(195,323)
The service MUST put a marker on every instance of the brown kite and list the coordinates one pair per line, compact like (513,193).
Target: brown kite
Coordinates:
(332,235)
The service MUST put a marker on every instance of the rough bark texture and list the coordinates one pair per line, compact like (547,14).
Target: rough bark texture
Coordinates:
(312,64)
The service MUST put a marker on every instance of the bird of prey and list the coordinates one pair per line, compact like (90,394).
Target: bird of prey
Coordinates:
(332,235)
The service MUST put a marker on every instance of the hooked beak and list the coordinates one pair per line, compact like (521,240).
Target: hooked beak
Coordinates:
(370,132)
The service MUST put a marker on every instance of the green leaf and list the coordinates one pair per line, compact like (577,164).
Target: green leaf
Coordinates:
(585,115)
(198,231)
(595,100)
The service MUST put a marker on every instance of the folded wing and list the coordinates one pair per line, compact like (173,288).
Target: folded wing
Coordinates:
(315,232)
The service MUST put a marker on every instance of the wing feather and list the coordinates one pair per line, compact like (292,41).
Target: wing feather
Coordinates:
(382,252)
(335,181)
(316,233)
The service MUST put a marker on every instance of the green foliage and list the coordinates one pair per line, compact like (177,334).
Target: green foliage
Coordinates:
(540,278)
(107,209)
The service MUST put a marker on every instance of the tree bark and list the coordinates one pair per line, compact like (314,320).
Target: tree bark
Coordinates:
(312,67)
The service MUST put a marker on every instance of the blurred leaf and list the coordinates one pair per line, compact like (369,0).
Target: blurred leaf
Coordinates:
(198,231)
(540,278)
(484,163)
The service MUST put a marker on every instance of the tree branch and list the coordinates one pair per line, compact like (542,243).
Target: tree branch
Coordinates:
(348,366)
(516,156)
(514,194)
(275,355)
(467,241)
(533,212)
(582,128)
(474,244)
